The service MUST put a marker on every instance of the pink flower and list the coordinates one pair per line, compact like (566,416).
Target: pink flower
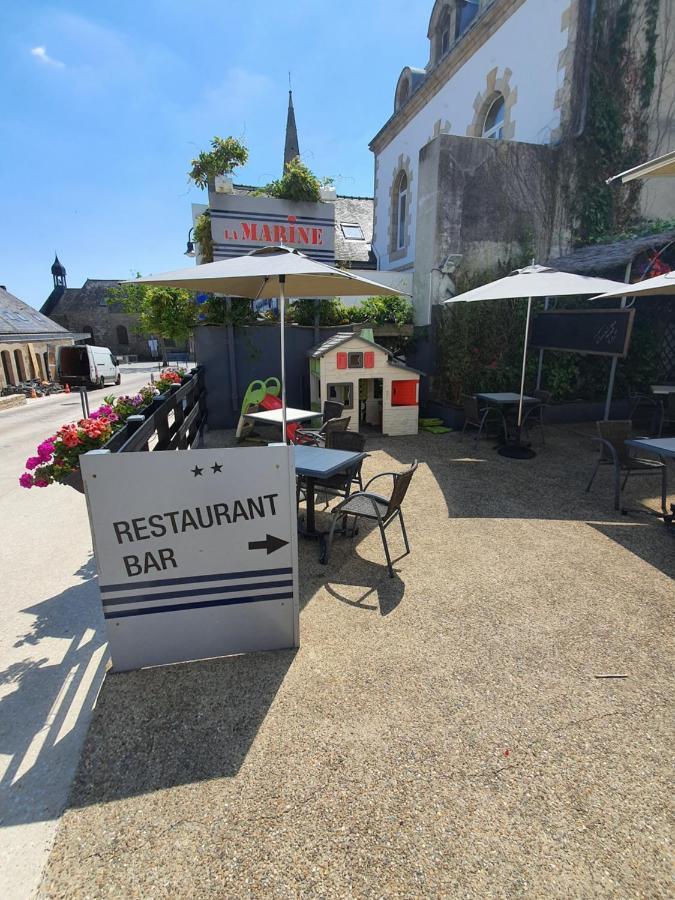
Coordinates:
(46,450)
(41,482)
(33,462)
(26,480)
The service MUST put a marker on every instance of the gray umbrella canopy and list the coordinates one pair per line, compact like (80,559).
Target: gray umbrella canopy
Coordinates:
(271,272)
(535,281)
(261,273)
(650,287)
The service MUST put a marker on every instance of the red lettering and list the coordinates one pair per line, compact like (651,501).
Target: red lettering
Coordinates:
(304,235)
(279,234)
(291,235)
(266,233)
(226,234)
(317,236)
(250,231)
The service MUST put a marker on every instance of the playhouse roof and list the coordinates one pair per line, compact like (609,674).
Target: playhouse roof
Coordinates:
(336,340)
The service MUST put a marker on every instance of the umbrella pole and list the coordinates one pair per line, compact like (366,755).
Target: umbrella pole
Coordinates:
(522,377)
(516,449)
(282,317)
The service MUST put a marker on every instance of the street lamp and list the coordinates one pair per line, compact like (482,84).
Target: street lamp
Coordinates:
(190,245)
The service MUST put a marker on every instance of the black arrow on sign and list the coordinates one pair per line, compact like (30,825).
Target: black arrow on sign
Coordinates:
(270,544)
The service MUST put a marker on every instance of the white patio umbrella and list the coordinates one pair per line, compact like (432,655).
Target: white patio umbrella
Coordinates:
(661,284)
(661,167)
(268,272)
(535,281)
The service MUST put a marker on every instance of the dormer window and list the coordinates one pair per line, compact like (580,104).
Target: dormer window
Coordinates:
(465,12)
(445,41)
(352,232)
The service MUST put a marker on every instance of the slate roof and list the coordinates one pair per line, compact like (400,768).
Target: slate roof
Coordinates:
(20,322)
(599,258)
(93,293)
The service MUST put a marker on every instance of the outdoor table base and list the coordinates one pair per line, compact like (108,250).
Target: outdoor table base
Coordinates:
(514,448)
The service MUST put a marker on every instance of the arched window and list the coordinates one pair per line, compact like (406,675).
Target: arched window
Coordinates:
(400,210)
(7,367)
(20,368)
(45,356)
(465,12)
(493,127)
(122,335)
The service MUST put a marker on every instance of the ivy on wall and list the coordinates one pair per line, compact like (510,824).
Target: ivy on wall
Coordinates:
(203,236)
(615,138)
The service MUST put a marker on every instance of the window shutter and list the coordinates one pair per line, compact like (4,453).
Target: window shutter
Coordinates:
(342,360)
(404,393)
(369,359)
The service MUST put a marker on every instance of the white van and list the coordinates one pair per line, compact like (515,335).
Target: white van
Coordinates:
(88,366)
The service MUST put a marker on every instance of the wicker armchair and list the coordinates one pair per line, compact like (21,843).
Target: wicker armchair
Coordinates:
(534,413)
(667,413)
(318,438)
(374,507)
(343,483)
(331,410)
(612,437)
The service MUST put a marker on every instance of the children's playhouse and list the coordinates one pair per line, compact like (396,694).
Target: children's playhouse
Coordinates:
(378,392)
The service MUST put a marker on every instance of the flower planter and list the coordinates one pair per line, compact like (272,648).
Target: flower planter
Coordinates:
(74,479)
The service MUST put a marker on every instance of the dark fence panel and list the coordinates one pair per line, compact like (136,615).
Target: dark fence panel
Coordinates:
(187,403)
(256,352)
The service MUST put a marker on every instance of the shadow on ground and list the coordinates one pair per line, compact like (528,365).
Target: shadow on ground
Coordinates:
(172,725)
(43,718)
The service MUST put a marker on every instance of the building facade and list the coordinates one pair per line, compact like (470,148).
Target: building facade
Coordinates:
(29,342)
(86,310)
(468,166)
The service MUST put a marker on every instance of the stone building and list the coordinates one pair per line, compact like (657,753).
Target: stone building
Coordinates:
(86,309)
(470,167)
(28,341)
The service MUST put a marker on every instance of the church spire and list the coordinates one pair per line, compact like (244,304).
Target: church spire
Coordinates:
(291,147)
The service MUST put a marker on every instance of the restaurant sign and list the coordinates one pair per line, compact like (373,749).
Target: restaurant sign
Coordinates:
(196,552)
(241,223)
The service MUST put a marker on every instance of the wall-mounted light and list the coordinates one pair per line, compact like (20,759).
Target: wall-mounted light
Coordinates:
(190,244)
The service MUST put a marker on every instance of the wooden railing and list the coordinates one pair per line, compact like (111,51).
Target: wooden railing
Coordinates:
(173,421)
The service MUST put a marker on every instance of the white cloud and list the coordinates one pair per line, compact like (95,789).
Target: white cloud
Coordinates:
(41,54)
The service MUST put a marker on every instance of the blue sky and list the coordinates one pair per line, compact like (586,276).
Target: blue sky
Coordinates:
(105,103)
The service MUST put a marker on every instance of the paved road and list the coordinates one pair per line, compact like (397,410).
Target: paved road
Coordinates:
(52,648)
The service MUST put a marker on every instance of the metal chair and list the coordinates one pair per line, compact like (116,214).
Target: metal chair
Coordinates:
(339,485)
(612,437)
(479,417)
(368,505)
(534,414)
(667,413)
(318,438)
(645,413)
(331,410)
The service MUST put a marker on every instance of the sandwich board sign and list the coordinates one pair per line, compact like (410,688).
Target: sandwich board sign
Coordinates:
(196,552)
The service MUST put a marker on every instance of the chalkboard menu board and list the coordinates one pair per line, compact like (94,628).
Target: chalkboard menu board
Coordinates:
(604,332)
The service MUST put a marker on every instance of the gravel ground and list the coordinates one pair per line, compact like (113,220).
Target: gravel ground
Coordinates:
(440,734)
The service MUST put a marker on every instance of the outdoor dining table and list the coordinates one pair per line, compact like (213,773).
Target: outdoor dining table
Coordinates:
(504,399)
(273,416)
(315,464)
(662,390)
(664,448)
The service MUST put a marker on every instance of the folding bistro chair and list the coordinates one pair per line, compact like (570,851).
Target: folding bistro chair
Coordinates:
(479,417)
(367,505)
(612,437)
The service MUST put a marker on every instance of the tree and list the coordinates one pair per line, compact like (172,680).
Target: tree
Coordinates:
(224,157)
(169,313)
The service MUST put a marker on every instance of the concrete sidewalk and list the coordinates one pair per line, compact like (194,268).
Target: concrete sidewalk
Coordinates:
(439,734)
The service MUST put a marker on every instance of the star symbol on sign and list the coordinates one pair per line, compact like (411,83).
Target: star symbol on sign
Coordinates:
(197,471)
(217,467)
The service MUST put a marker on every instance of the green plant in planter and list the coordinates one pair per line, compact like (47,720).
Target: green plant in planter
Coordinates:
(203,236)
(297,183)
(383,311)
(222,159)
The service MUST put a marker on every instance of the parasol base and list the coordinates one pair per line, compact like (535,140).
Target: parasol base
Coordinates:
(516,451)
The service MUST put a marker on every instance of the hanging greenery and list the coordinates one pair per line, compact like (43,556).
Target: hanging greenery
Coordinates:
(222,159)
(202,235)
(298,183)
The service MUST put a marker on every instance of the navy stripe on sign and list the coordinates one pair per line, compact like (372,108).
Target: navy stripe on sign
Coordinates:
(221,601)
(274,218)
(172,595)
(193,579)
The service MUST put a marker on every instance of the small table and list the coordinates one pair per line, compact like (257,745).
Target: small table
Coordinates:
(514,448)
(664,448)
(316,463)
(662,389)
(506,398)
(273,416)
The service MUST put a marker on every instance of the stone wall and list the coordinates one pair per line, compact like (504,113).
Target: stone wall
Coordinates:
(481,201)
(23,361)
